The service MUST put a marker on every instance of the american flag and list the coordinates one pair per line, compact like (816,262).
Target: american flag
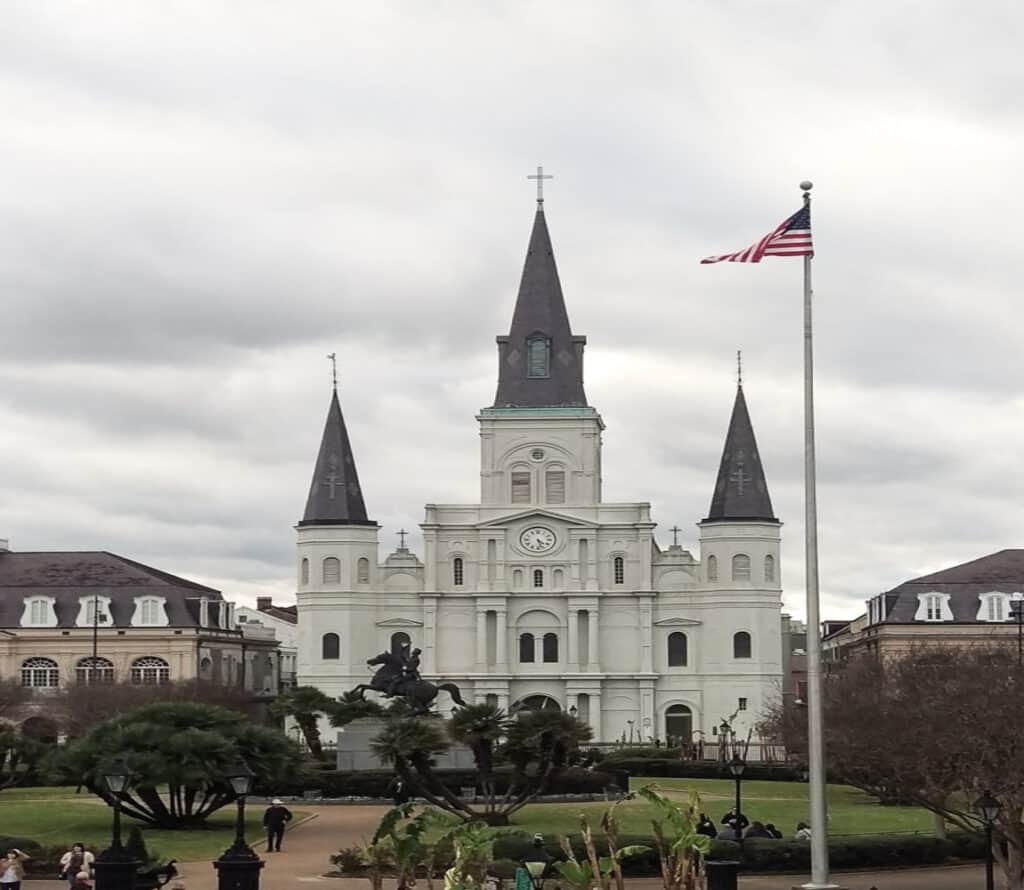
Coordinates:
(791,238)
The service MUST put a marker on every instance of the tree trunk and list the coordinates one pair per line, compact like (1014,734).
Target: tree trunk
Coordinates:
(940,825)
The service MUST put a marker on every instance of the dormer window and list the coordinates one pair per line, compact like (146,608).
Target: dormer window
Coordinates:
(993,607)
(149,612)
(39,612)
(538,356)
(933,607)
(94,611)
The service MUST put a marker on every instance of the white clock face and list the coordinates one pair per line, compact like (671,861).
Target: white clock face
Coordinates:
(537,540)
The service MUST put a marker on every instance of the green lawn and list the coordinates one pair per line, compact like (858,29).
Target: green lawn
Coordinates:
(783,803)
(54,816)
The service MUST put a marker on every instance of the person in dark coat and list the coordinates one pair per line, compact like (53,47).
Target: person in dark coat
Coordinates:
(757,829)
(706,827)
(275,817)
(733,816)
(773,831)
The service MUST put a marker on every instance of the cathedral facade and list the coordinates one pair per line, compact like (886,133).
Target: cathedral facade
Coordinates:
(542,595)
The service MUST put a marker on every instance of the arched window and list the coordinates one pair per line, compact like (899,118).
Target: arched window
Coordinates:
(149,612)
(678,725)
(517,578)
(91,671)
(741,567)
(550,648)
(363,570)
(619,570)
(526,648)
(769,568)
(304,571)
(712,568)
(554,486)
(741,645)
(538,357)
(556,579)
(332,570)
(676,650)
(330,646)
(40,673)
(150,671)
(536,703)
(520,486)
(538,577)
(400,642)
(457,571)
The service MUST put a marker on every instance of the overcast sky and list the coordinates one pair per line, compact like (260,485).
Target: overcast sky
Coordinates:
(199,201)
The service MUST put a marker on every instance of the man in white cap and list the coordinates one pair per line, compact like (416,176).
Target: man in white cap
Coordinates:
(274,819)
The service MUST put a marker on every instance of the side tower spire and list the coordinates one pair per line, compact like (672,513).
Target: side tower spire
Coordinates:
(540,362)
(741,493)
(335,497)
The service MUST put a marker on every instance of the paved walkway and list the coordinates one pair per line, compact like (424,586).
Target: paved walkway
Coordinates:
(307,848)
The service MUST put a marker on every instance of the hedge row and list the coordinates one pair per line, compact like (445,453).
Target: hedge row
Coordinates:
(379,784)
(697,769)
(763,855)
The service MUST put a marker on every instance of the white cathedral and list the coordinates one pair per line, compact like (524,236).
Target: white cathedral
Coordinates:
(544,595)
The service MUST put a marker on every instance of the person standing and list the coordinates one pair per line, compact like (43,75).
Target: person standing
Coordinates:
(75,861)
(275,817)
(12,869)
(706,827)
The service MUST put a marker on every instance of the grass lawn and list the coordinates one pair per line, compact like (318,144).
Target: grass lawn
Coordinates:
(783,803)
(54,816)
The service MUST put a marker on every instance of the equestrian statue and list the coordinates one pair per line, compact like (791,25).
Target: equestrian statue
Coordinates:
(399,677)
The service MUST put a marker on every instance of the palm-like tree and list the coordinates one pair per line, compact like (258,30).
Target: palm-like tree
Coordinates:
(480,728)
(545,739)
(305,705)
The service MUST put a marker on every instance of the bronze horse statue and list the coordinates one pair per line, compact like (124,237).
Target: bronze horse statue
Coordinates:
(398,677)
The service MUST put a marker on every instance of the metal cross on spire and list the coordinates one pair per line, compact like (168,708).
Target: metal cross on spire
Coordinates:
(739,367)
(675,535)
(401,538)
(334,368)
(540,176)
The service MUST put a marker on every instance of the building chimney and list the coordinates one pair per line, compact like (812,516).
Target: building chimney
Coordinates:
(264,603)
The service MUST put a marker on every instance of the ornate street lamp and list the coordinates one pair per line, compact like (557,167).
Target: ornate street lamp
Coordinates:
(988,808)
(737,766)
(537,862)
(115,867)
(239,866)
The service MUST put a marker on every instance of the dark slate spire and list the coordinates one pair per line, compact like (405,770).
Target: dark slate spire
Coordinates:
(335,497)
(740,492)
(540,362)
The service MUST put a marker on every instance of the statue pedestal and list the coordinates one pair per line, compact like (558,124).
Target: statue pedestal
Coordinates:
(354,752)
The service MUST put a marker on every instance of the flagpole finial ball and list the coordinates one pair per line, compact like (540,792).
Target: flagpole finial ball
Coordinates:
(806,185)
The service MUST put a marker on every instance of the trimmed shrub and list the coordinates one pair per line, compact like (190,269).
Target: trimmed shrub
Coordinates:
(764,855)
(378,784)
(697,769)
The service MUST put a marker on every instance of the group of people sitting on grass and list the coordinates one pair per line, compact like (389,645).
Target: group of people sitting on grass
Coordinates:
(736,826)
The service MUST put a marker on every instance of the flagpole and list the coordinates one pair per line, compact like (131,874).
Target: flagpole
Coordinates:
(815,725)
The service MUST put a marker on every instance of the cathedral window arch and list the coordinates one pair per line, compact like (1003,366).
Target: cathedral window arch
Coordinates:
(538,577)
(618,570)
(769,568)
(526,648)
(330,646)
(517,578)
(332,570)
(678,725)
(363,570)
(677,647)
(521,482)
(304,571)
(554,484)
(712,568)
(538,356)
(549,647)
(557,579)
(741,644)
(457,571)
(741,567)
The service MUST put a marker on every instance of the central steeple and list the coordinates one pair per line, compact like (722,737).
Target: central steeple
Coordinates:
(540,362)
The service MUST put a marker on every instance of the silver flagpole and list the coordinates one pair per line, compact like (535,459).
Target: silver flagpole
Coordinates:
(815,727)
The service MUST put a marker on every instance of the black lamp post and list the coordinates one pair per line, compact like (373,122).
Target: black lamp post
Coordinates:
(537,863)
(115,867)
(736,766)
(239,867)
(988,808)
(1017,614)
